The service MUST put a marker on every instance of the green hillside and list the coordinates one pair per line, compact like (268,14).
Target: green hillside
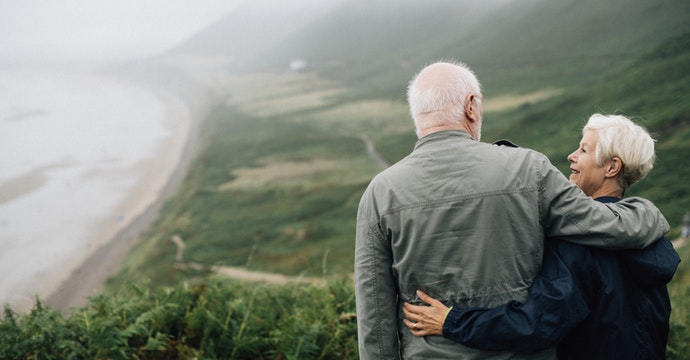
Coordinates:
(513,45)
(277,186)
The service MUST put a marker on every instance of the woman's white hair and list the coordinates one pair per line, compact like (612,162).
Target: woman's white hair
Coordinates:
(446,97)
(619,136)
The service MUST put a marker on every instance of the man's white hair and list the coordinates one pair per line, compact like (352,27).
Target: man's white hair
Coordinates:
(446,97)
(619,136)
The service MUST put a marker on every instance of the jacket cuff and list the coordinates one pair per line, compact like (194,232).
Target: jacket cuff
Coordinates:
(452,317)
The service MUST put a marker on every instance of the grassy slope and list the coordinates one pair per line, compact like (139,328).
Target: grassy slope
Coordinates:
(241,206)
(514,46)
(307,226)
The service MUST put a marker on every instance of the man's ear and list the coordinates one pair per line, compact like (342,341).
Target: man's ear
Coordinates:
(614,167)
(471,108)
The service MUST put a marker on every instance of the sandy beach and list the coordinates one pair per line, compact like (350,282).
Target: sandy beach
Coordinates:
(161,176)
(66,261)
(80,270)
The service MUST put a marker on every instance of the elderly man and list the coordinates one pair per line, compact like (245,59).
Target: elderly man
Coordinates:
(465,222)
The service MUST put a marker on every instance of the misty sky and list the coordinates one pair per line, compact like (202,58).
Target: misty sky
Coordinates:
(101,28)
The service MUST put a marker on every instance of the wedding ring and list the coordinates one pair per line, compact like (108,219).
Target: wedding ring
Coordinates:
(414,326)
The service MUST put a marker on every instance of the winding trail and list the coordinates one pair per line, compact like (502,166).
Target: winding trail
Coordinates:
(238,273)
(371,150)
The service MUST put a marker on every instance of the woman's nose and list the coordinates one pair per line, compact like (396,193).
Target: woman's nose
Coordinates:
(572,158)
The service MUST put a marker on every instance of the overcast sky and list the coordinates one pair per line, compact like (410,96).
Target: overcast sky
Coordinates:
(101,28)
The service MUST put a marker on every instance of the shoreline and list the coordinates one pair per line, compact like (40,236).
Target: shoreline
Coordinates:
(95,224)
(95,267)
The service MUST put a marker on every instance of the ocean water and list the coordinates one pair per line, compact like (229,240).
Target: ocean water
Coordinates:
(72,147)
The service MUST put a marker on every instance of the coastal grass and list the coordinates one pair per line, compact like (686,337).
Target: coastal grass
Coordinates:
(226,319)
(216,319)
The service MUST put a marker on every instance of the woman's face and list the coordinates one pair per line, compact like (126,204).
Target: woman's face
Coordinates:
(584,171)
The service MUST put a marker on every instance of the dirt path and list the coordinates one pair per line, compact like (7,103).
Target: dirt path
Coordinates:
(238,273)
(259,276)
(371,150)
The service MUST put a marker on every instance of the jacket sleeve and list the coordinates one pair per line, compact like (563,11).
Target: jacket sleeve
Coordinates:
(375,291)
(568,213)
(555,305)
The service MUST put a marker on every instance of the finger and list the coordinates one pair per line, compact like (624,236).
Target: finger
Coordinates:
(412,310)
(412,325)
(407,312)
(426,298)
(421,333)
(412,318)
(418,332)
(417,309)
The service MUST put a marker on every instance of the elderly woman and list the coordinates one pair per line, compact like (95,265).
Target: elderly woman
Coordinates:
(592,303)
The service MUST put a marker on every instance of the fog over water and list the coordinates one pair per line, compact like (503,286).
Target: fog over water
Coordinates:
(81,152)
(102,29)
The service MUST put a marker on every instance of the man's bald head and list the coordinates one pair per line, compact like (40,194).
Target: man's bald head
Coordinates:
(438,98)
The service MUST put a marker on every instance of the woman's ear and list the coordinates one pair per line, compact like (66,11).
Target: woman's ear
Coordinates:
(615,166)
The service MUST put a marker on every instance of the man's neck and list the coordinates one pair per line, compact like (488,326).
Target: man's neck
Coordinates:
(435,129)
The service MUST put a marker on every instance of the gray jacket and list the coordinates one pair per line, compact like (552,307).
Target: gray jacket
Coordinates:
(465,221)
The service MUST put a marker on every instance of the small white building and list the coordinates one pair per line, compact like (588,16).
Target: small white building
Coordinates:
(299,65)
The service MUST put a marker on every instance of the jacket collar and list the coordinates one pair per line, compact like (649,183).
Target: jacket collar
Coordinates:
(607,199)
(443,135)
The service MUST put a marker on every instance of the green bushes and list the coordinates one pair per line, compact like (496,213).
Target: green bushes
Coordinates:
(679,291)
(213,320)
(224,320)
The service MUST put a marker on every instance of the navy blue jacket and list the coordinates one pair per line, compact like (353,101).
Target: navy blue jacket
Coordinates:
(593,303)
